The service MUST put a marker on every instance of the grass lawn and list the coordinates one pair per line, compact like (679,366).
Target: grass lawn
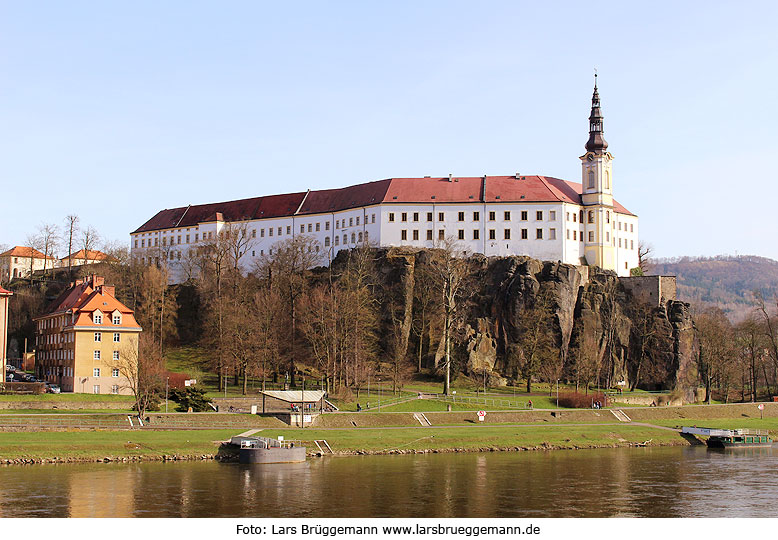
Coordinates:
(475,437)
(94,444)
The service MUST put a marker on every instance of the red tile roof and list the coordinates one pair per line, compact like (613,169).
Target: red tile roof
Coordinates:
(91,255)
(3,292)
(391,190)
(25,251)
(85,297)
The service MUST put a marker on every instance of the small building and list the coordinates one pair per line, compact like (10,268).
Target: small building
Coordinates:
(87,341)
(20,261)
(86,256)
(295,407)
(4,299)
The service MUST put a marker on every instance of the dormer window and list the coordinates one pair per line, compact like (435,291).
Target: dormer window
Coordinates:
(97,317)
(116,318)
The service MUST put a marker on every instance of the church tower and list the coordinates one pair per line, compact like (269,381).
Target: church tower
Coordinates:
(597,193)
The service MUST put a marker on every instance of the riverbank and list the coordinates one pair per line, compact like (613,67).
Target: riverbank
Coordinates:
(199,436)
(112,446)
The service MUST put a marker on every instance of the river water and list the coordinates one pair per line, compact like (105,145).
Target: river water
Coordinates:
(642,482)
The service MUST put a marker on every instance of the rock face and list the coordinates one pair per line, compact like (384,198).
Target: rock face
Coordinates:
(589,308)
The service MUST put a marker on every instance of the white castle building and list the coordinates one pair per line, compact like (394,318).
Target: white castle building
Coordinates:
(543,217)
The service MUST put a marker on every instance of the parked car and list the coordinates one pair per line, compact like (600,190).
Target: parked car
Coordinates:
(53,388)
(9,377)
(9,367)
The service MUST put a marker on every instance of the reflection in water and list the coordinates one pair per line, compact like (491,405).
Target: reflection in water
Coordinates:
(650,482)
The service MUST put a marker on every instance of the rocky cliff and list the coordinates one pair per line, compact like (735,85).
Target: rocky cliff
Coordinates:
(593,324)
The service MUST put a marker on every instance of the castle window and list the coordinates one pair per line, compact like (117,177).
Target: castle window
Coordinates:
(476,216)
(357,221)
(631,244)
(404,216)
(326,225)
(591,236)
(552,215)
(539,234)
(580,216)
(631,228)
(492,234)
(440,216)
(345,239)
(552,234)
(539,215)
(415,234)
(476,234)
(524,215)
(326,241)
(270,231)
(391,216)
(429,234)
(607,217)
(372,218)
(461,216)
(461,233)
(350,222)
(507,216)
(524,234)
(310,227)
(575,236)
(415,216)
(568,234)
(337,240)
(318,227)
(507,234)
(491,216)
(619,242)
(353,238)
(429,216)
(591,216)
(360,240)
(607,180)
(441,234)
(591,179)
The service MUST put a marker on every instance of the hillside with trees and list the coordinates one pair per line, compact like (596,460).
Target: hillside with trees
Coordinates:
(725,282)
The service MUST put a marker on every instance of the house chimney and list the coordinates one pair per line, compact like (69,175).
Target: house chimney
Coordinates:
(450,177)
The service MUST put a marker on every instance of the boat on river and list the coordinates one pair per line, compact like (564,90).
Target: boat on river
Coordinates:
(732,438)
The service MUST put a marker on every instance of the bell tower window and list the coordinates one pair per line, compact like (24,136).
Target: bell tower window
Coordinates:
(591,179)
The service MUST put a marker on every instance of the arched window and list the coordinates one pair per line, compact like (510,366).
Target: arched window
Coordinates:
(591,179)
(607,180)
(580,217)
(607,217)
(591,216)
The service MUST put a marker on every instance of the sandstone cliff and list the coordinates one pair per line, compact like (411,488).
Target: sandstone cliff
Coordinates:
(628,339)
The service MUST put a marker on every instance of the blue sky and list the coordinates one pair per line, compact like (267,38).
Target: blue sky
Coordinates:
(114,111)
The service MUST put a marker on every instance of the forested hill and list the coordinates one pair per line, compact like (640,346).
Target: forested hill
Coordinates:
(725,281)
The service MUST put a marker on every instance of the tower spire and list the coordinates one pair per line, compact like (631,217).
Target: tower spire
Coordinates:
(596,142)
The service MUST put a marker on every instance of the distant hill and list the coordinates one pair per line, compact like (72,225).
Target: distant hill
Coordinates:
(724,281)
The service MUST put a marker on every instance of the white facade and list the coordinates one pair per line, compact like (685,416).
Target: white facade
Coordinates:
(546,231)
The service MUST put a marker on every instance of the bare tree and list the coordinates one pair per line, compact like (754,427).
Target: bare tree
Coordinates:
(140,369)
(536,343)
(716,352)
(89,241)
(645,250)
(49,238)
(69,236)
(285,271)
(450,272)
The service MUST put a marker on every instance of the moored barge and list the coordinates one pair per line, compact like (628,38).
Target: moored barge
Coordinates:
(732,438)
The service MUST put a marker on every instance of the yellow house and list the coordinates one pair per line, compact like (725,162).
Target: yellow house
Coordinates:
(87,341)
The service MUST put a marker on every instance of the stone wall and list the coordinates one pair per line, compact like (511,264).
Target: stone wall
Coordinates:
(652,290)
